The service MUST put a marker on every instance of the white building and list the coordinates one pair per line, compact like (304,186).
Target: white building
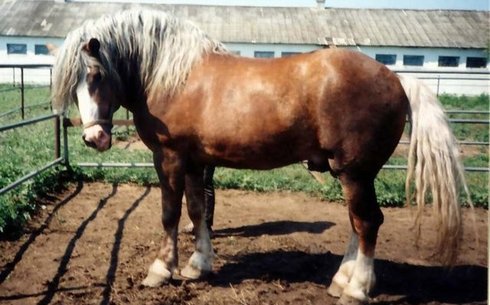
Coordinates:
(449,43)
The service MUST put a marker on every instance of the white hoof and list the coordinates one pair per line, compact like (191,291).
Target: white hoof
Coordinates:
(347,300)
(355,294)
(192,273)
(199,265)
(158,274)
(335,290)
(341,279)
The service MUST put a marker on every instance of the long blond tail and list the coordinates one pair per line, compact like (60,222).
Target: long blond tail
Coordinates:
(435,167)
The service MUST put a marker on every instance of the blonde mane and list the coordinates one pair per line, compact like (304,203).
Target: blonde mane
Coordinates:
(164,47)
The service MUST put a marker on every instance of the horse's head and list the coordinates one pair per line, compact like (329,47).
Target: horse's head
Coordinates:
(97,98)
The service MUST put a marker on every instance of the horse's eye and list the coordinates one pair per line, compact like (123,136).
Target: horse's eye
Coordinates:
(97,77)
(94,78)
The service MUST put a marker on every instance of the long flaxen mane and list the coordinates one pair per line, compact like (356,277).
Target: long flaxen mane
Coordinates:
(165,48)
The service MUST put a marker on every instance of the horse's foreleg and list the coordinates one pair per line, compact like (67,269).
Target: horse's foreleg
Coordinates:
(201,261)
(170,170)
(355,277)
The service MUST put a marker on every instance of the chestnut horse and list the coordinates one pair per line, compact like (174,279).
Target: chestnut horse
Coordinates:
(196,104)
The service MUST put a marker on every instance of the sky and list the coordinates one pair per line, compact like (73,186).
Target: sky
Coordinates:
(407,4)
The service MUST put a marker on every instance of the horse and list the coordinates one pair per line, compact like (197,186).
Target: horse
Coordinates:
(196,104)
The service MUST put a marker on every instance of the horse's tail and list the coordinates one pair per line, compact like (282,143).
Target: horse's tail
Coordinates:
(434,165)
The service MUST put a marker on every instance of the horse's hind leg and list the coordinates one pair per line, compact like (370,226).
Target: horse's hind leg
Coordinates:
(201,260)
(355,277)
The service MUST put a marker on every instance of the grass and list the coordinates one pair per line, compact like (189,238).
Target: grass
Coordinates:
(25,149)
(468,132)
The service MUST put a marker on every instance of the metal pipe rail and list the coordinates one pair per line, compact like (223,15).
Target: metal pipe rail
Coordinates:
(22,85)
(466,112)
(452,71)
(116,165)
(468,143)
(28,122)
(150,165)
(25,107)
(469,121)
(58,159)
(467,168)
(30,175)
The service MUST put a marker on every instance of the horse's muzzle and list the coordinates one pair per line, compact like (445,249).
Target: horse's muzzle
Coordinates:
(96,137)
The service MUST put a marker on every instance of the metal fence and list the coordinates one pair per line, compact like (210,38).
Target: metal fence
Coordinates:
(469,82)
(58,159)
(18,82)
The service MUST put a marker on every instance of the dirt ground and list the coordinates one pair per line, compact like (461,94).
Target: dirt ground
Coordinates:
(93,245)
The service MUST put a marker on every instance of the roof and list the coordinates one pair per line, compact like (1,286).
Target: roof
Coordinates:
(283,25)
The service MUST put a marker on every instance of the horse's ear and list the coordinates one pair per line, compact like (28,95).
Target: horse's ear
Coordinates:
(92,47)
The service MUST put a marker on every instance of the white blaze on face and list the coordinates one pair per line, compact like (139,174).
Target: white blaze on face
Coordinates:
(93,135)
(86,105)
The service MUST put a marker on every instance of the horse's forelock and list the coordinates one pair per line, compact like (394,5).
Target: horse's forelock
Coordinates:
(66,72)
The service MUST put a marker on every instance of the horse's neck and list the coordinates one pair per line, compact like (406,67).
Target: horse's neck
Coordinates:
(132,85)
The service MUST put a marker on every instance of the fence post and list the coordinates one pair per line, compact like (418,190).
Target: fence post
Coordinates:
(50,86)
(50,79)
(22,93)
(66,159)
(127,118)
(438,84)
(57,140)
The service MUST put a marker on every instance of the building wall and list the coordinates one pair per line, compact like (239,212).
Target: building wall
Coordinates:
(249,49)
(431,56)
(456,80)
(39,76)
(451,80)
(30,57)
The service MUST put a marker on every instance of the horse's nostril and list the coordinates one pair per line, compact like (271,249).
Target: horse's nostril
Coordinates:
(88,143)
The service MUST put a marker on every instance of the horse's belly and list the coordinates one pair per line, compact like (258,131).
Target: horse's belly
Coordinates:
(263,153)
(262,162)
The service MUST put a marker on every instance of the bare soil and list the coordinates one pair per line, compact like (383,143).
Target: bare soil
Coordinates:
(93,244)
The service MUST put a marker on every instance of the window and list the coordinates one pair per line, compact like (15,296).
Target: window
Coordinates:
(448,61)
(476,62)
(263,54)
(387,59)
(413,60)
(285,54)
(41,49)
(235,52)
(16,48)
